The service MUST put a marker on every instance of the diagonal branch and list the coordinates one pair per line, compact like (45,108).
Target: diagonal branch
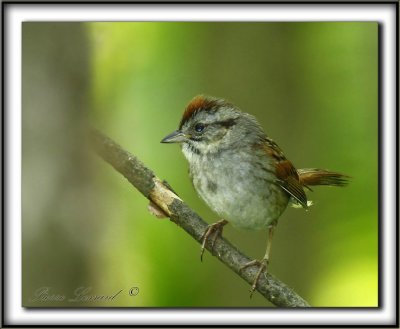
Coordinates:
(159,193)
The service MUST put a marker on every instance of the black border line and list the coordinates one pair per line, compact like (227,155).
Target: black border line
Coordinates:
(262,2)
(397,161)
(3,153)
(380,129)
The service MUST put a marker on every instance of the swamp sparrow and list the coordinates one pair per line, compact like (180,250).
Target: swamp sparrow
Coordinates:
(239,172)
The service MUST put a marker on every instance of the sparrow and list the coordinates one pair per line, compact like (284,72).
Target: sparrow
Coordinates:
(240,172)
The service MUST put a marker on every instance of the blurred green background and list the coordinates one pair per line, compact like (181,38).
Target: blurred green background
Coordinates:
(313,87)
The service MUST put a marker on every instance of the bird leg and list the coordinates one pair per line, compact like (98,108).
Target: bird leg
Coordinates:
(215,228)
(263,263)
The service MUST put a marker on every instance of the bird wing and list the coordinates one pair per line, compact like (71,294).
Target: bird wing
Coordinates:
(288,178)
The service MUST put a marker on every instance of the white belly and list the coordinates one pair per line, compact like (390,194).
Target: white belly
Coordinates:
(239,191)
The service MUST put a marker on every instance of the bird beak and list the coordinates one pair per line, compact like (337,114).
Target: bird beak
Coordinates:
(175,137)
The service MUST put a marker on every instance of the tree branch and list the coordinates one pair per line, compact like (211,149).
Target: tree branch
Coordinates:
(159,193)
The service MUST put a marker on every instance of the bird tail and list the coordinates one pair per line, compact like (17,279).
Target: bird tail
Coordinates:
(313,176)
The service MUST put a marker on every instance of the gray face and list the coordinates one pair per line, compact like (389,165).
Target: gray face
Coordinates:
(214,130)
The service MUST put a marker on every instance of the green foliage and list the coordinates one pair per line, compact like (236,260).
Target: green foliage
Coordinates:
(314,86)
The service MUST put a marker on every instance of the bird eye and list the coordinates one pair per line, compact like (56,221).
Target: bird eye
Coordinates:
(199,127)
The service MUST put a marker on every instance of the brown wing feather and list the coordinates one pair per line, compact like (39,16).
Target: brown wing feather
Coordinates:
(286,173)
(289,181)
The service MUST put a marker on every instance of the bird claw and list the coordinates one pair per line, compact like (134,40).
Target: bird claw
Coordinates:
(263,264)
(215,228)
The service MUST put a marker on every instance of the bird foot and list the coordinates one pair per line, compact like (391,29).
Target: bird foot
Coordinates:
(263,267)
(215,228)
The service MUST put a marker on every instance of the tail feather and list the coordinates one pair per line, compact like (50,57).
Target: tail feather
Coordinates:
(313,176)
